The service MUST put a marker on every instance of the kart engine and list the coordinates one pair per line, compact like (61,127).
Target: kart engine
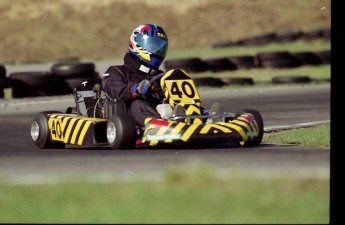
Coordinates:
(93,102)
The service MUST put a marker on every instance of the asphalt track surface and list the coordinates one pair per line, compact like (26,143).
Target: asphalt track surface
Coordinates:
(282,107)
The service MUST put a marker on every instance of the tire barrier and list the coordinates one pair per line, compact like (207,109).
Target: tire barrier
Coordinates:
(288,36)
(208,81)
(244,61)
(276,59)
(72,69)
(3,80)
(32,84)
(323,33)
(282,36)
(325,56)
(225,44)
(291,79)
(60,80)
(261,39)
(279,59)
(72,74)
(238,80)
(2,71)
(194,64)
(64,76)
(307,58)
(220,64)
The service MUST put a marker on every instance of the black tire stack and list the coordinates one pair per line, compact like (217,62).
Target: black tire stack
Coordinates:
(279,59)
(3,80)
(273,59)
(279,36)
(71,75)
(60,80)
(32,84)
(194,64)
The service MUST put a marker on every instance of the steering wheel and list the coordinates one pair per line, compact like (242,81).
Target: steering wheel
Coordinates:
(157,77)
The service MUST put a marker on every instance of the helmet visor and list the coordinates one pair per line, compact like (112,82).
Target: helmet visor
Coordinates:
(155,45)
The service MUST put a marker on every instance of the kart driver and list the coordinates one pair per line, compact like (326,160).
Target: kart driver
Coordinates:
(148,45)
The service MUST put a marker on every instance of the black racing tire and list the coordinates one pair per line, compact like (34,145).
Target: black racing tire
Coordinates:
(324,55)
(244,61)
(223,44)
(208,81)
(220,64)
(257,140)
(72,69)
(31,84)
(2,71)
(260,39)
(282,59)
(76,82)
(62,87)
(121,131)
(320,33)
(33,78)
(307,58)
(188,64)
(4,83)
(40,133)
(289,36)
(273,55)
(281,63)
(291,79)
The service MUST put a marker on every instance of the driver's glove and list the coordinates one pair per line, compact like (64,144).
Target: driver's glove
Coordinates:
(141,88)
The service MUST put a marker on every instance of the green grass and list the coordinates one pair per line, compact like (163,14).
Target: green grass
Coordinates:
(182,200)
(185,195)
(265,75)
(308,137)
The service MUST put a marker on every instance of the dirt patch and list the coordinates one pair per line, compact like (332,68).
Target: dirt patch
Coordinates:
(48,30)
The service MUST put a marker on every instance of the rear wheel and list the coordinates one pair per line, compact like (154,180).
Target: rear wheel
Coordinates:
(40,133)
(121,131)
(260,126)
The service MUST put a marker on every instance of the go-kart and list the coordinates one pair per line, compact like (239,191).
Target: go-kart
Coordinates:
(98,120)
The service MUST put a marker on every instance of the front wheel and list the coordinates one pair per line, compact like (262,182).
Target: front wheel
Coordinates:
(259,127)
(40,133)
(121,131)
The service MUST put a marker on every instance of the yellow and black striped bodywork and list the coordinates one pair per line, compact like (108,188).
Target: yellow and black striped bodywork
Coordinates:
(77,130)
(163,132)
(179,88)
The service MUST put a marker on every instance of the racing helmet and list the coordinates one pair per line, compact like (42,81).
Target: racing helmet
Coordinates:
(149,43)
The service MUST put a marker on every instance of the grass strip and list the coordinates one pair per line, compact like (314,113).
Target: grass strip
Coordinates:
(181,198)
(319,136)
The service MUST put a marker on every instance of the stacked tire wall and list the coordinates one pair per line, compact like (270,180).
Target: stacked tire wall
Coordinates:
(64,76)
(276,59)
(60,80)
(3,80)
(278,37)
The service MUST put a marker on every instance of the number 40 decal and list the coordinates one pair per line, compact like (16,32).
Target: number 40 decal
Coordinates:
(56,130)
(182,89)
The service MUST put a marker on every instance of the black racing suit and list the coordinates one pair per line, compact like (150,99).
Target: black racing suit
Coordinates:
(118,80)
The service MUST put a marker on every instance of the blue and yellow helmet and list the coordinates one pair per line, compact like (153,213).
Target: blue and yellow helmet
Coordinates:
(149,43)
